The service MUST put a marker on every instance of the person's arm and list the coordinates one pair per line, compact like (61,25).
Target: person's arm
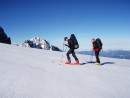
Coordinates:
(93,41)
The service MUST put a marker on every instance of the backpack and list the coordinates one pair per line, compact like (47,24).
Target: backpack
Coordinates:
(98,43)
(76,45)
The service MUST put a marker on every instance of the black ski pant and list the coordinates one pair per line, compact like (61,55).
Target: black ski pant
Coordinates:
(71,51)
(97,56)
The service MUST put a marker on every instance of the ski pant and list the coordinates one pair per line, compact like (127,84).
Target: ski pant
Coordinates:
(71,51)
(97,56)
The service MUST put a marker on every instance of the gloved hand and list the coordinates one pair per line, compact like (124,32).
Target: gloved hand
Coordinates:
(65,44)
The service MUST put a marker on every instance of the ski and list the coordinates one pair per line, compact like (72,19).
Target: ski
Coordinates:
(63,63)
(76,64)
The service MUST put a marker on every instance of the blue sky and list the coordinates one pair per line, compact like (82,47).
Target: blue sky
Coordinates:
(55,19)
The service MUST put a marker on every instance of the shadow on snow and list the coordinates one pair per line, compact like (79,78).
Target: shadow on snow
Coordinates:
(104,63)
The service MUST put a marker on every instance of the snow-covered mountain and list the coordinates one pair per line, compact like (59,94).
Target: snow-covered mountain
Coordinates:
(37,73)
(39,43)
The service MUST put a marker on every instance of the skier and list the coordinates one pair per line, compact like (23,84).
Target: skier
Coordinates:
(71,44)
(97,46)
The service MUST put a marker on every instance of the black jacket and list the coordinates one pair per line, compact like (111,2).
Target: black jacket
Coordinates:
(71,43)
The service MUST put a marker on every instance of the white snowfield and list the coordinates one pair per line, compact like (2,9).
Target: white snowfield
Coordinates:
(35,73)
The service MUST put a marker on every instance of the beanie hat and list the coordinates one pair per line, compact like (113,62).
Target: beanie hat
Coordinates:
(65,38)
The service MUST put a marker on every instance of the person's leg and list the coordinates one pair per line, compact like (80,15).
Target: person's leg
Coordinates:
(68,56)
(97,57)
(73,54)
(75,57)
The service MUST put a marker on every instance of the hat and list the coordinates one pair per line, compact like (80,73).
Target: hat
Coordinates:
(65,38)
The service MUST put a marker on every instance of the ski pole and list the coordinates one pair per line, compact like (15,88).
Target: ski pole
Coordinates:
(62,53)
(91,56)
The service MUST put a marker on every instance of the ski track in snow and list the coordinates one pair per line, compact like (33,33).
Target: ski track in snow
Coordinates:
(35,73)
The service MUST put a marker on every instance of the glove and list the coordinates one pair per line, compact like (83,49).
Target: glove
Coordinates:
(66,45)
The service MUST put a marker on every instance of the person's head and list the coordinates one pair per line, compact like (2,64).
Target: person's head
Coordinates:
(66,39)
(93,40)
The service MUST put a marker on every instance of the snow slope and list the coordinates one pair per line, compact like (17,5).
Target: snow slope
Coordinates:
(35,73)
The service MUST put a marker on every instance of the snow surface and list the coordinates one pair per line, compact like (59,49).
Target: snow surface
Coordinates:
(35,73)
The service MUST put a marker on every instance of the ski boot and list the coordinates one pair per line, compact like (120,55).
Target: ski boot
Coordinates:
(77,62)
(97,63)
(68,62)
